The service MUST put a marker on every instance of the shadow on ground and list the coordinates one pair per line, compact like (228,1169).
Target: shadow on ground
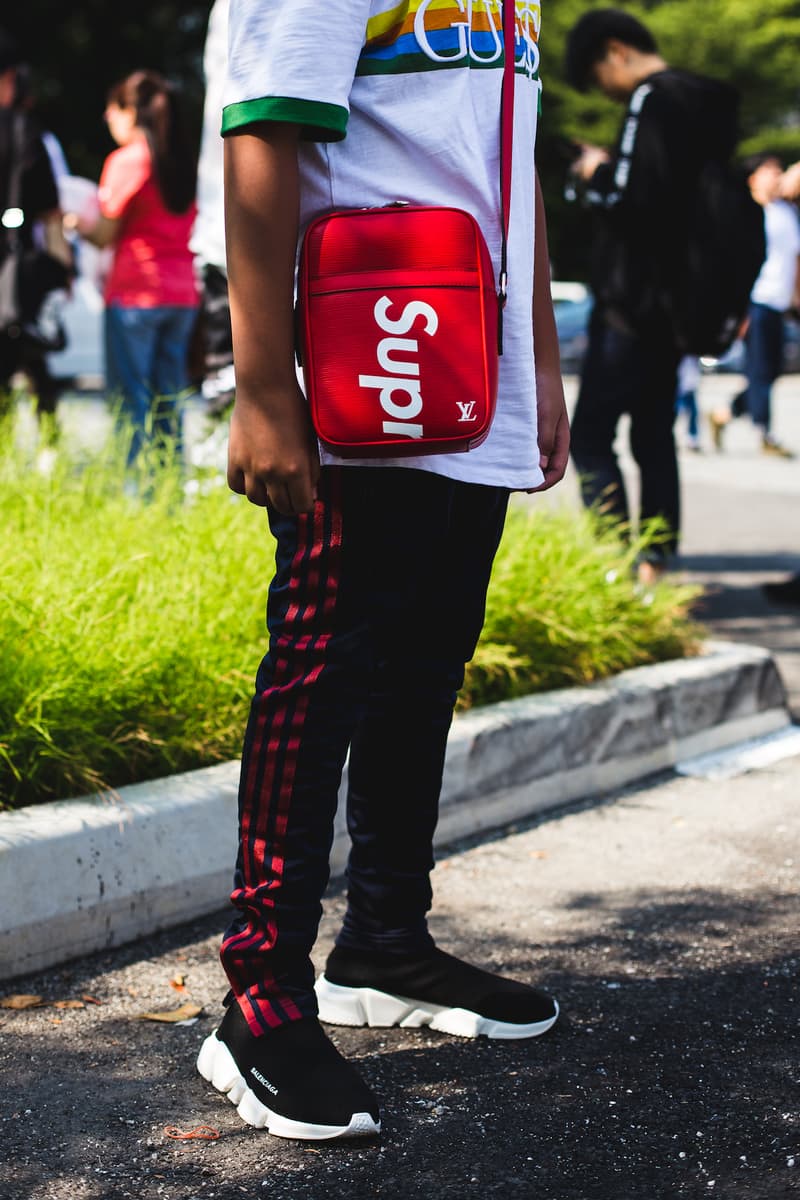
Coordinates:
(733,606)
(774,562)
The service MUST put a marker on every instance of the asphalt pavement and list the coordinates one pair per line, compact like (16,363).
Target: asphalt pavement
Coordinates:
(664,917)
(742,529)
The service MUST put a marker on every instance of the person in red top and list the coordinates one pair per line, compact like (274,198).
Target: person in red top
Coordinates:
(147,210)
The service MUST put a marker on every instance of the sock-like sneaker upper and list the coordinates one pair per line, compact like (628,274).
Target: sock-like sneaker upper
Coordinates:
(435,977)
(296,1071)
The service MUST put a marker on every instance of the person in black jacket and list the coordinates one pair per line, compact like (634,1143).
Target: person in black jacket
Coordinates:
(641,195)
(36,205)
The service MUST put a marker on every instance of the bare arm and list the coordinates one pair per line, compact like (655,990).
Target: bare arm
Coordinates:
(551,407)
(100,232)
(272,450)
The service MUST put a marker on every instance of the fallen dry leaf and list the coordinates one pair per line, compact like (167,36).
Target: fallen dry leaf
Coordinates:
(21,1001)
(538,854)
(206,1133)
(185,1013)
(68,1004)
(91,1000)
(178,982)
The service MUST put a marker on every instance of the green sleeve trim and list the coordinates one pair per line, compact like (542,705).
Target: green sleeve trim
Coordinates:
(319,122)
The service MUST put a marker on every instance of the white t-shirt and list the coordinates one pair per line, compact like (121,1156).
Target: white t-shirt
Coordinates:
(415,87)
(776,281)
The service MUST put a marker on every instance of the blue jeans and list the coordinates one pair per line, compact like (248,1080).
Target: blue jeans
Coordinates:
(763,362)
(376,605)
(687,402)
(624,373)
(146,368)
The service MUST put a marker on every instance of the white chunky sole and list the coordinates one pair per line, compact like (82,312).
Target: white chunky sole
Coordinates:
(216,1064)
(366,1006)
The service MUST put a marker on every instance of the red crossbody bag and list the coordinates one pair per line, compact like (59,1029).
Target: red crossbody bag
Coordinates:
(400,320)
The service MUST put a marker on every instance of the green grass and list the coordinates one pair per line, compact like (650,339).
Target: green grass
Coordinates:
(564,608)
(131,627)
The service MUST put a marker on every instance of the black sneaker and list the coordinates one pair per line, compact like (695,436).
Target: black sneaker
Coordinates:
(432,989)
(292,1081)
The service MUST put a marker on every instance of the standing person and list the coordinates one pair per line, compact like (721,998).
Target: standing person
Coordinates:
(147,209)
(208,236)
(776,290)
(641,195)
(46,388)
(382,566)
(22,151)
(787,591)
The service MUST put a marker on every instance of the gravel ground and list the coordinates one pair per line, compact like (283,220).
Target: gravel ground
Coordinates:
(664,918)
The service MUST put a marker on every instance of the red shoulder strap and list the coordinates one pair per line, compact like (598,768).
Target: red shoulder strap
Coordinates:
(506,147)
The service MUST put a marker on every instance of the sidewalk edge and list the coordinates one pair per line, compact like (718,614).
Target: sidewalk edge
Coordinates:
(160,853)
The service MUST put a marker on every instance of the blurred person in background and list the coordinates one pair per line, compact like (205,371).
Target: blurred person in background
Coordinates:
(147,209)
(46,387)
(776,290)
(787,591)
(25,98)
(641,196)
(33,217)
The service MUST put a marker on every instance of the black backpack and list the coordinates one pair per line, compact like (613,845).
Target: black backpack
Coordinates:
(726,247)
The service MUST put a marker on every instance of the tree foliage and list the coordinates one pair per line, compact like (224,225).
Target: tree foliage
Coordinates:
(756,50)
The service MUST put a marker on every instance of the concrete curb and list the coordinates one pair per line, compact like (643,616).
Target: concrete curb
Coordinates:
(82,875)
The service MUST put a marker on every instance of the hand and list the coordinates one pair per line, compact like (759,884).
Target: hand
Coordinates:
(591,157)
(553,429)
(272,452)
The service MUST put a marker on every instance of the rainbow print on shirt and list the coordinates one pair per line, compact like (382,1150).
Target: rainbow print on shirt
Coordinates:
(430,35)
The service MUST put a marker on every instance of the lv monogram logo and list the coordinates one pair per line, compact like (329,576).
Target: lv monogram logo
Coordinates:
(467,410)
